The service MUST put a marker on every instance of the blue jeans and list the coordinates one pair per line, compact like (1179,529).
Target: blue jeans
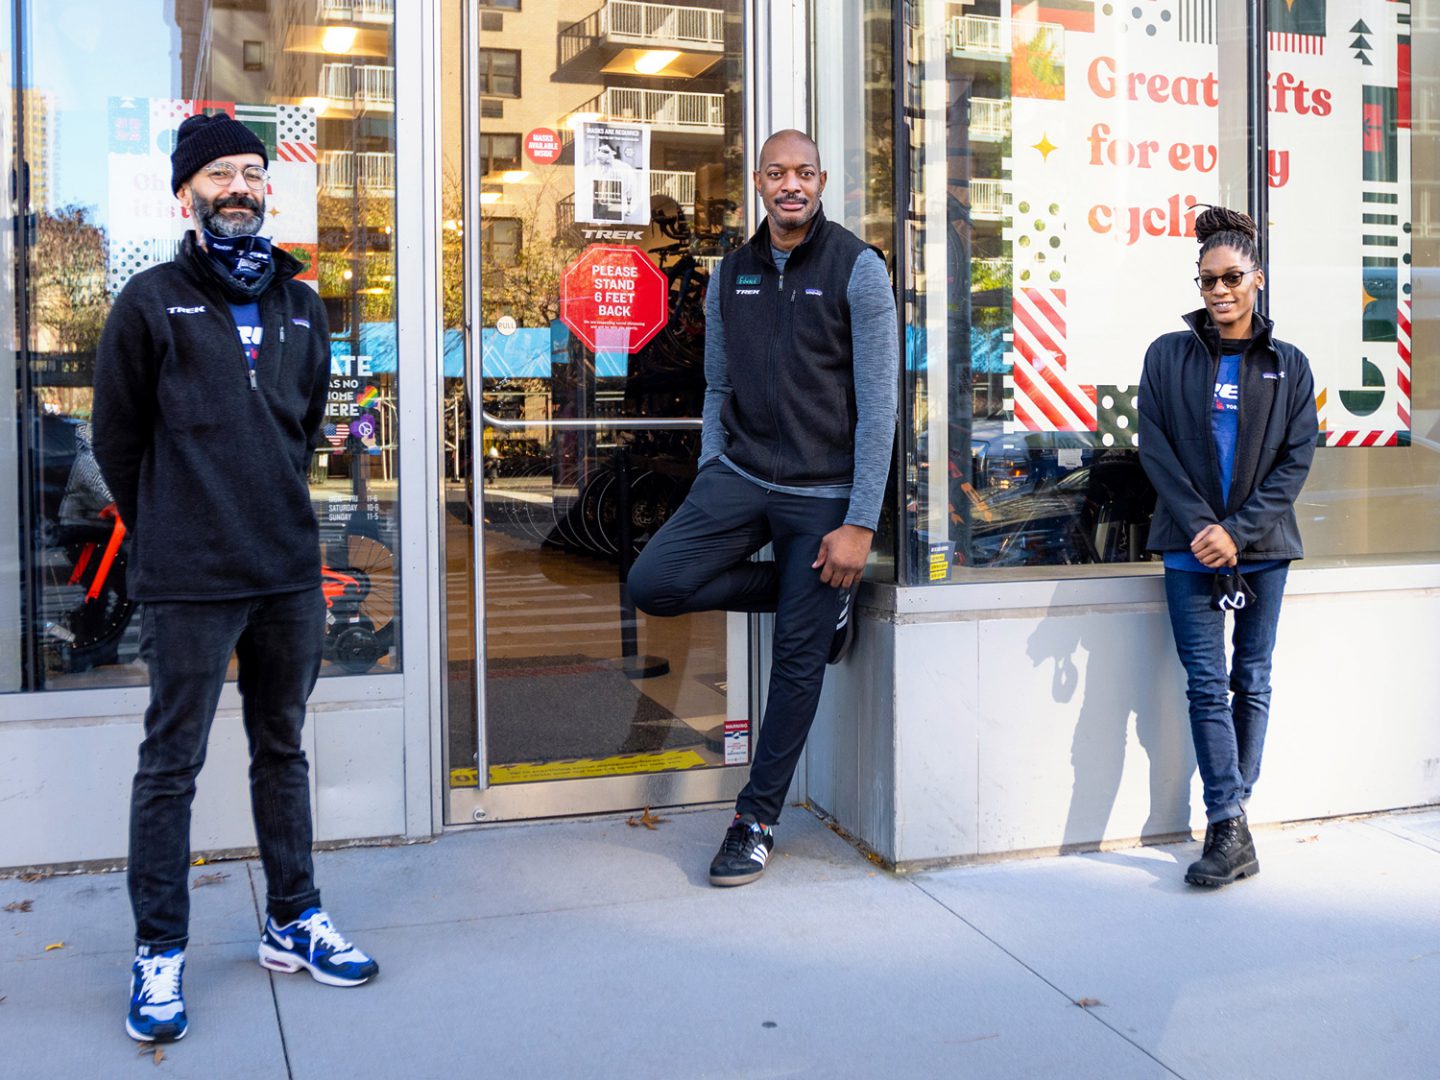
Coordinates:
(277,642)
(1229,733)
(699,561)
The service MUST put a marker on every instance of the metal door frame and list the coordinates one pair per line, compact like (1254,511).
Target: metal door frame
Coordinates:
(768,29)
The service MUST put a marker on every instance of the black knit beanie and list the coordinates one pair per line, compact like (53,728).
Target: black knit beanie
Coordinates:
(201,139)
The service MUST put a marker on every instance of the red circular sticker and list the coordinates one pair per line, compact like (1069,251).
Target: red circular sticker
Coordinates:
(613,298)
(542,146)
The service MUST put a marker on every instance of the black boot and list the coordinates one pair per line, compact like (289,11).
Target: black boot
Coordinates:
(1229,854)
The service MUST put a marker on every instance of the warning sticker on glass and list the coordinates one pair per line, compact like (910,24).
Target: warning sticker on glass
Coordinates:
(737,741)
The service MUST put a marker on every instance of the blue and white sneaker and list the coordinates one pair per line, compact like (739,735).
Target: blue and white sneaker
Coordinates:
(157,1009)
(313,943)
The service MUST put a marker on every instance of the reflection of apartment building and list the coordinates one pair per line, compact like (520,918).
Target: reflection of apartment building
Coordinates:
(622,61)
(39,146)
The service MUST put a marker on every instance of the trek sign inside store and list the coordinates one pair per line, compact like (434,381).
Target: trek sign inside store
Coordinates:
(614,299)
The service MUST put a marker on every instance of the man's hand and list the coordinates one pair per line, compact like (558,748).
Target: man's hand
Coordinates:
(1214,547)
(842,555)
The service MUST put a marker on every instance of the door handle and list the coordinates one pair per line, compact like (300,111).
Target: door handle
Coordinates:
(667,423)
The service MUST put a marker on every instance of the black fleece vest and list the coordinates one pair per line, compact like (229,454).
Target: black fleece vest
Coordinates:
(790,417)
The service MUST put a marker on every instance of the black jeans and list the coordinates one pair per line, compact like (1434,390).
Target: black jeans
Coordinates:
(277,641)
(699,562)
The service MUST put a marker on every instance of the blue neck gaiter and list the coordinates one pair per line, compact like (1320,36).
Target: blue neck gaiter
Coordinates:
(244,258)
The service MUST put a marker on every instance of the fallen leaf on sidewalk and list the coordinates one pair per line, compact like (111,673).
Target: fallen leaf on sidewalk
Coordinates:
(1307,839)
(1088,1003)
(34,876)
(199,861)
(54,945)
(152,1048)
(649,820)
(208,879)
(19,905)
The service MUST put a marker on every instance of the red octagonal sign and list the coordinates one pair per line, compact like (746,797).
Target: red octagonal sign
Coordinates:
(614,298)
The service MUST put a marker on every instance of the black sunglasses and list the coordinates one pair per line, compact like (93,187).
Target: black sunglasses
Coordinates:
(1230,278)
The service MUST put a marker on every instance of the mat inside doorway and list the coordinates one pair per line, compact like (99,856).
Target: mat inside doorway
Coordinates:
(544,708)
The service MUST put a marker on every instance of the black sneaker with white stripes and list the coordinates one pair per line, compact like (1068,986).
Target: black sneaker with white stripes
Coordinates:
(844,638)
(742,857)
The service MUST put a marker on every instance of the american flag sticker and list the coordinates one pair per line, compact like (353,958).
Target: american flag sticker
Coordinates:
(336,434)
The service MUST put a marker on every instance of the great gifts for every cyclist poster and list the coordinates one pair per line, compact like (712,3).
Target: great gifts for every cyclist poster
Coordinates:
(1114,140)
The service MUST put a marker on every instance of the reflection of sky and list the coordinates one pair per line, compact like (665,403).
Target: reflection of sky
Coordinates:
(83,53)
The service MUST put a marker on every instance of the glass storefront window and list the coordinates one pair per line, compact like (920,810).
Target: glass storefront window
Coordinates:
(1355,264)
(316,83)
(1057,154)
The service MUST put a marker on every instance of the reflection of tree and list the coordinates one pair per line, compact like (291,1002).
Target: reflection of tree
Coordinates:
(67,281)
(357,237)
(527,288)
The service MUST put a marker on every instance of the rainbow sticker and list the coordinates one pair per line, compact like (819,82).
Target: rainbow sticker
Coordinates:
(366,396)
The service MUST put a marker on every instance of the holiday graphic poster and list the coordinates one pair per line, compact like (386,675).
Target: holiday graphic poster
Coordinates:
(1113,152)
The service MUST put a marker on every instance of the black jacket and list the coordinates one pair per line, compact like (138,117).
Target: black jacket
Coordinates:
(790,417)
(1274,446)
(208,474)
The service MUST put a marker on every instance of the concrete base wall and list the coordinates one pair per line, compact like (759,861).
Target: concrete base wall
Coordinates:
(65,782)
(979,720)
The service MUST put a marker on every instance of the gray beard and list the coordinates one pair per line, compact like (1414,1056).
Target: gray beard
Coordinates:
(213,221)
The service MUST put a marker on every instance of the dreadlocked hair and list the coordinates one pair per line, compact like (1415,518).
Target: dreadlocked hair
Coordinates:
(1219,227)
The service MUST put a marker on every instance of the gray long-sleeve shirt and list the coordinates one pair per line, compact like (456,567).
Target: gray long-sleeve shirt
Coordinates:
(875,345)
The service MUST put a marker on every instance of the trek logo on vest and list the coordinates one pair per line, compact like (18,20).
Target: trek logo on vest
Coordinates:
(1227,397)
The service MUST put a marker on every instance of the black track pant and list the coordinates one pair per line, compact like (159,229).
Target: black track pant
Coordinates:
(699,562)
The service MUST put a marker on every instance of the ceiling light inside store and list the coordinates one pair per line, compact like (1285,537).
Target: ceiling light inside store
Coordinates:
(338,39)
(319,104)
(654,61)
(574,120)
(513,176)
(487,197)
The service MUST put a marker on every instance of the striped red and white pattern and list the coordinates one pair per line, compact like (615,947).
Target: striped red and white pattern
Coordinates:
(1402,377)
(1362,438)
(297,151)
(1046,396)
(1312,44)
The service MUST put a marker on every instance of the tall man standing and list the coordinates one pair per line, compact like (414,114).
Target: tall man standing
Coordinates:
(801,367)
(210,389)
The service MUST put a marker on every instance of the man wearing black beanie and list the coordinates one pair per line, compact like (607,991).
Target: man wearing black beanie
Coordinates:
(210,389)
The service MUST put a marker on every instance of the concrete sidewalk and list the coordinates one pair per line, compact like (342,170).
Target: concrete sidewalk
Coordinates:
(596,949)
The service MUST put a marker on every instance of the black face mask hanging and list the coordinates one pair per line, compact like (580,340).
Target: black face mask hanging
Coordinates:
(1229,592)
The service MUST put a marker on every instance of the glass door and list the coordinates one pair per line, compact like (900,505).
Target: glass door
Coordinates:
(605,182)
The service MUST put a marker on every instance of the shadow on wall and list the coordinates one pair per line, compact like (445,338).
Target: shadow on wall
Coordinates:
(1118,684)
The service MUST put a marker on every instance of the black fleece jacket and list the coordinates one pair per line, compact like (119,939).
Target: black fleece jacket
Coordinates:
(1274,447)
(209,474)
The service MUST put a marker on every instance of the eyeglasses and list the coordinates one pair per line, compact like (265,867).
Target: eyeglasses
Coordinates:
(1231,278)
(223,173)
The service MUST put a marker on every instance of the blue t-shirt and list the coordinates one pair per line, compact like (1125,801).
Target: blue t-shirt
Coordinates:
(247,321)
(1225,430)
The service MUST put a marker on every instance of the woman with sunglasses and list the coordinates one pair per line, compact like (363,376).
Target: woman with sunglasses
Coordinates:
(1227,434)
